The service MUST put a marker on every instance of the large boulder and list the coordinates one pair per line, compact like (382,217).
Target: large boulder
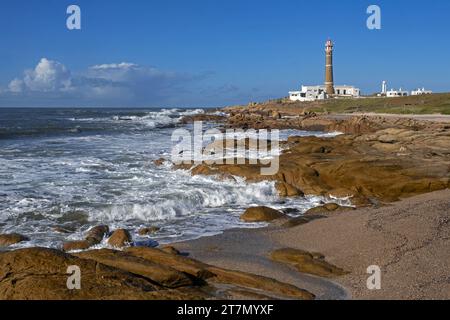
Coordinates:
(94,236)
(120,238)
(261,214)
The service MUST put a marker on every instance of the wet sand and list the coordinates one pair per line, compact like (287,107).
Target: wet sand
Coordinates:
(408,240)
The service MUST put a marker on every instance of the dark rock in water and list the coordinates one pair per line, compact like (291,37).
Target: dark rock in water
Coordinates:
(149,230)
(146,243)
(120,238)
(159,162)
(261,214)
(96,234)
(10,239)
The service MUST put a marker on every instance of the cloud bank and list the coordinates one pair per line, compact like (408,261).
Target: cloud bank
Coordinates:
(124,84)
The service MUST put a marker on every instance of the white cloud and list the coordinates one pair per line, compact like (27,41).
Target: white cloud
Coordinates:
(16,86)
(123,65)
(103,84)
(47,76)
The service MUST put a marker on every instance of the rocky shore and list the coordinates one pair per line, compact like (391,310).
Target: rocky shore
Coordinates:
(376,159)
(395,170)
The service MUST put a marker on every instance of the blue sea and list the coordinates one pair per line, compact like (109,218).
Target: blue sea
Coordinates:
(77,168)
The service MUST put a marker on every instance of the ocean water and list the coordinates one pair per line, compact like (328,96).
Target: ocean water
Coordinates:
(77,168)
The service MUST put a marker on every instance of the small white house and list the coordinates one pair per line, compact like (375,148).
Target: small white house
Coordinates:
(308,93)
(347,91)
(313,93)
(397,93)
(419,92)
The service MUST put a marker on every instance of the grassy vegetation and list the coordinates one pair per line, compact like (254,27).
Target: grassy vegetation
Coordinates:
(438,103)
(426,104)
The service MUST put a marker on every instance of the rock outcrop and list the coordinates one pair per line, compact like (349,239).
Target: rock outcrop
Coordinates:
(327,208)
(306,262)
(136,273)
(383,160)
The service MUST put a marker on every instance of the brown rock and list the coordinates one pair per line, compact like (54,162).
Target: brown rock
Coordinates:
(136,273)
(326,208)
(306,262)
(41,274)
(180,263)
(77,245)
(243,279)
(261,214)
(96,234)
(120,238)
(10,239)
(159,162)
(286,190)
(149,230)
(276,115)
(331,206)
(163,275)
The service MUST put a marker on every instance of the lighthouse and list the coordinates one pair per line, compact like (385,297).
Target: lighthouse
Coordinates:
(329,81)
(328,89)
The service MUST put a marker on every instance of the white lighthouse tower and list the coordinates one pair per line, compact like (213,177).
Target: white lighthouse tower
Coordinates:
(384,88)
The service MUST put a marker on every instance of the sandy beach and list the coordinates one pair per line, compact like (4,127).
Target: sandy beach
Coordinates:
(409,241)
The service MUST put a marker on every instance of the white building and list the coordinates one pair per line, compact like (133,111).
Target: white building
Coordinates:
(312,93)
(308,93)
(397,93)
(400,93)
(347,91)
(419,92)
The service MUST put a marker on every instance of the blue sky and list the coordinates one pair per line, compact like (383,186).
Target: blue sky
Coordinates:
(199,53)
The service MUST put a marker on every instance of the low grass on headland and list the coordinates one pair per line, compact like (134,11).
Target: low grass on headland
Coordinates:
(424,104)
